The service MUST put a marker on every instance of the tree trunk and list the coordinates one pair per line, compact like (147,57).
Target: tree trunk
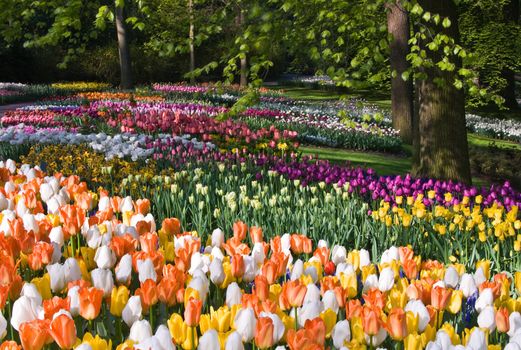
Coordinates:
(443,148)
(244,61)
(191,40)
(401,90)
(124,52)
(511,15)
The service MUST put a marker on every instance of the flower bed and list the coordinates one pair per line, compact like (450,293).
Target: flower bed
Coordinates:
(86,270)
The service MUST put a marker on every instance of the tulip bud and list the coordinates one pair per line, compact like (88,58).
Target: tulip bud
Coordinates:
(487,318)
(209,340)
(451,278)
(234,342)
(217,237)
(419,309)
(132,311)
(25,309)
(386,280)
(486,298)
(341,333)
(514,321)
(245,323)
(102,279)
(217,274)
(233,295)
(140,331)
(105,257)
(146,270)
(467,285)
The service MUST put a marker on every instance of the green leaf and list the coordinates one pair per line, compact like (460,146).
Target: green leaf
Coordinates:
(446,22)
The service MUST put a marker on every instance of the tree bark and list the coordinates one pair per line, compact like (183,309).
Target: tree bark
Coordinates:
(443,147)
(123,48)
(511,16)
(191,40)
(401,90)
(244,60)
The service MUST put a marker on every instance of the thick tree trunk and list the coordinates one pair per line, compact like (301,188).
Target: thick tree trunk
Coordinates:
(244,60)
(191,40)
(401,90)
(443,148)
(124,52)
(511,15)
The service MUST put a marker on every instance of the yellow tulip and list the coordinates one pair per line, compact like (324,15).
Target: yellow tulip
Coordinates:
(454,305)
(397,297)
(412,342)
(368,270)
(85,274)
(43,284)
(349,283)
(228,277)
(517,281)
(118,300)
(205,323)
(429,334)
(191,293)
(177,328)
(127,345)
(412,321)
(329,318)
(353,258)
(191,339)
(275,290)
(454,337)
(168,250)
(357,330)
(88,256)
(221,319)
(97,343)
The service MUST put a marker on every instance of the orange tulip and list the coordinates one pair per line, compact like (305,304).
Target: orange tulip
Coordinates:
(292,294)
(322,254)
(238,267)
(264,333)
(193,312)
(149,242)
(371,320)
(52,306)
(63,331)
(142,206)
(239,230)
(41,255)
(410,268)
(311,337)
(34,335)
(10,344)
(502,320)
(374,297)
(270,271)
(171,226)
(122,245)
(148,294)
(440,297)
(262,287)
(72,219)
(301,244)
(405,253)
(90,302)
(167,290)
(256,234)
(397,324)
(353,309)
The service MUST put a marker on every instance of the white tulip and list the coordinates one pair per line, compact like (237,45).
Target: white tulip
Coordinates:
(196,263)
(56,236)
(487,318)
(479,276)
(46,192)
(209,340)
(105,257)
(330,301)
(201,284)
(515,324)
(3,326)
(297,270)
(74,299)
(126,204)
(233,294)
(83,346)
(477,340)
(124,269)
(486,298)
(72,270)
(164,338)
(217,237)
(386,280)
(339,254)
(25,309)
(132,311)
(102,279)
(245,323)
(234,342)
(57,276)
(377,339)
(512,346)
(149,344)
(309,311)
(104,203)
(250,269)
(257,253)
(370,282)
(467,285)
(341,333)
(217,253)
(451,278)
(30,290)
(418,308)
(146,270)
(390,255)
(140,331)
(217,274)
(312,294)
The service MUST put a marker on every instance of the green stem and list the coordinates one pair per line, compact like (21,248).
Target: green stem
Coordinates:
(79,241)
(194,335)
(119,332)
(11,329)
(71,241)
(296,319)
(151,311)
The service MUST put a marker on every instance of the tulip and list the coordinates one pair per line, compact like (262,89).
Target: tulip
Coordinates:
(209,340)
(140,331)
(264,333)
(386,280)
(3,326)
(25,309)
(164,338)
(118,300)
(146,270)
(487,318)
(440,297)
(193,312)
(74,300)
(293,294)
(217,237)
(245,324)
(312,294)
(502,320)
(341,334)
(467,285)
(233,294)
(102,280)
(234,342)
(105,257)
(477,340)
(34,334)
(90,302)
(486,298)
(517,281)
(330,301)
(124,269)
(397,324)
(217,274)
(419,309)
(63,331)
(514,321)
(132,310)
